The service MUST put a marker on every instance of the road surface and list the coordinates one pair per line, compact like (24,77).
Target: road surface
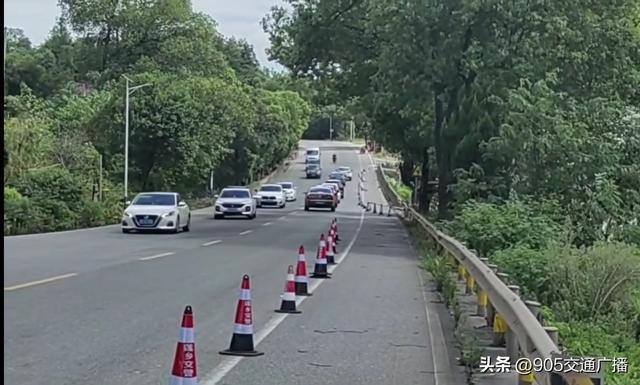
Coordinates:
(100,307)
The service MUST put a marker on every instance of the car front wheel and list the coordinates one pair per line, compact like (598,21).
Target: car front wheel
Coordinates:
(177,228)
(187,228)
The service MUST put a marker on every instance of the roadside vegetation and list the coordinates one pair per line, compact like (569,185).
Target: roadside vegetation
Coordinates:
(209,107)
(525,119)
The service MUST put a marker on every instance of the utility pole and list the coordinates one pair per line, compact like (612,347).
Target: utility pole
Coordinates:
(100,180)
(330,127)
(128,91)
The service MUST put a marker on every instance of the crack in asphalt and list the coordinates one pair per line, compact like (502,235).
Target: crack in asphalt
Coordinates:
(320,365)
(408,346)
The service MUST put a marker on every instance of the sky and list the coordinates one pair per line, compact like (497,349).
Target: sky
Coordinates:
(239,18)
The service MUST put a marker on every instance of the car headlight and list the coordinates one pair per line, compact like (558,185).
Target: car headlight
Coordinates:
(169,214)
(126,214)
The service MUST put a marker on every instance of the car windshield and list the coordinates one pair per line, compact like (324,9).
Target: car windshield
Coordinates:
(286,185)
(345,169)
(335,175)
(313,166)
(271,188)
(235,194)
(313,152)
(155,200)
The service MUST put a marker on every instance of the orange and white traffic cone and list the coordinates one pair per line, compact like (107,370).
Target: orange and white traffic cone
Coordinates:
(320,270)
(242,340)
(184,371)
(288,304)
(335,229)
(329,249)
(301,278)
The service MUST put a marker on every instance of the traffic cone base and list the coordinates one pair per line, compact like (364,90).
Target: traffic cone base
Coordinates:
(241,345)
(288,307)
(321,275)
(302,289)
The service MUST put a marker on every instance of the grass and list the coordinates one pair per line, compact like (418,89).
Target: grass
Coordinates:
(404,192)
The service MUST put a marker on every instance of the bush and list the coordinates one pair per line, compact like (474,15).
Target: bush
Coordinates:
(51,215)
(93,214)
(404,192)
(51,184)
(490,227)
(595,284)
(591,340)
(531,269)
(16,209)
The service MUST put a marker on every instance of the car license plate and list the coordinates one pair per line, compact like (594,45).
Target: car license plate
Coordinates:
(146,221)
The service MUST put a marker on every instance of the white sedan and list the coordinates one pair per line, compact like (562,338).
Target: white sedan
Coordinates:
(346,171)
(271,195)
(162,211)
(290,191)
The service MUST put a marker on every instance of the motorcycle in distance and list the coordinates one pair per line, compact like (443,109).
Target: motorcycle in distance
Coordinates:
(335,158)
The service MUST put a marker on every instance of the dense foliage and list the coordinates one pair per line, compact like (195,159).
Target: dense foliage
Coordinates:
(524,114)
(208,108)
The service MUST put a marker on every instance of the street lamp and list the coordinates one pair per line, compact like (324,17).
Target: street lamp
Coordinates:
(129,91)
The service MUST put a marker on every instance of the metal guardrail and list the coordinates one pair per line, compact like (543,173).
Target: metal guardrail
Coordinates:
(525,335)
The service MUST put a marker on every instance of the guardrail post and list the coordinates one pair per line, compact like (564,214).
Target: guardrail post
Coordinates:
(500,329)
(462,273)
(491,311)
(513,347)
(375,206)
(389,213)
(515,289)
(526,379)
(481,311)
(504,277)
(381,210)
(552,332)
(534,307)
(471,284)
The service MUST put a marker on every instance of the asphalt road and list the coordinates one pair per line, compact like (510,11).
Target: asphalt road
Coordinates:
(101,307)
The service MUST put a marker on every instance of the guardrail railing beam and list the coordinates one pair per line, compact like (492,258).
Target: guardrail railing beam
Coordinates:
(506,313)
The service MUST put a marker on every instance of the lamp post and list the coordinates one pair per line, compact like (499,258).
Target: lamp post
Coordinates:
(330,127)
(129,91)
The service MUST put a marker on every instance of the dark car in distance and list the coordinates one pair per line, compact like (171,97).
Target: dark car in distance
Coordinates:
(320,197)
(313,171)
(337,175)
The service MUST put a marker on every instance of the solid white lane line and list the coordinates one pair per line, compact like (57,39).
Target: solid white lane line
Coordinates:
(436,372)
(267,224)
(246,232)
(219,372)
(156,256)
(39,282)
(212,242)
